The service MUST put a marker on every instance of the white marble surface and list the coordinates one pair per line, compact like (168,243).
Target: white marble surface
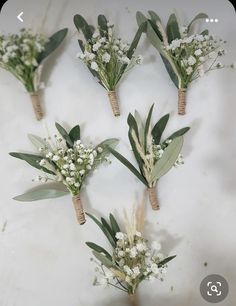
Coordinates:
(43,257)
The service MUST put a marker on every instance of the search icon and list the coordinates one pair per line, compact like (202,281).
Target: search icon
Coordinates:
(214,288)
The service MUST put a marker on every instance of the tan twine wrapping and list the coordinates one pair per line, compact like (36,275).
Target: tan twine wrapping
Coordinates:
(36,106)
(153,198)
(114,103)
(182,101)
(79,209)
(133,300)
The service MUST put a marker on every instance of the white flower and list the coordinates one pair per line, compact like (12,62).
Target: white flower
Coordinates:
(94,66)
(139,59)
(141,247)
(136,271)
(88,167)
(55,158)
(191,60)
(212,54)
(102,281)
(102,40)
(77,185)
(96,46)
(72,167)
(120,236)
(138,234)
(82,172)
(96,34)
(127,270)
(42,162)
(80,161)
(133,252)
(106,57)
(121,253)
(154,268)
(156,246)
(198,52)
(80,55)
(100,150)
(125,60)
(189,70)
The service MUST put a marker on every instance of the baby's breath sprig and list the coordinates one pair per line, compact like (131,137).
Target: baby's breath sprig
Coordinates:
(67,162)
(187,56)
(132,259)
(107,57)
(23,54)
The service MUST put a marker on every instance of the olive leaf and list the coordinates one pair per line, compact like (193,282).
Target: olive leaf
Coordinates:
(99,249)
(103,259)
(168,159)
(172,29)
(53,43)
(159,128)
(81,24)
(165,261)
(47,191)
(74,133)
(64,134)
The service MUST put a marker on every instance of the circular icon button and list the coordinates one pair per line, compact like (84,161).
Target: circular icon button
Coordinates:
(214,288)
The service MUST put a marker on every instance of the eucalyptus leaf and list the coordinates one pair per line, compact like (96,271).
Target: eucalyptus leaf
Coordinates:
(53,43)
(136,39)
(98,249)
(159,128)
(74,133)
(81,24)
(125,162)
(199,16)
(170,71)
(154,39)
(172,29)
(47,191)
(31,159)
(64,134)
(103,259)
(169,157)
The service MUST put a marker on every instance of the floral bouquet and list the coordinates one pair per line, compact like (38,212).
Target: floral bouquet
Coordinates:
(67,162)
(132,258)
(107,57)
(186,55)
(23,55)
(154,157)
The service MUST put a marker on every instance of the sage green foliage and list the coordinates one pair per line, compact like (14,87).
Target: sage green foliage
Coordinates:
(54,169)
(157,34)
(145,141)
(108,73)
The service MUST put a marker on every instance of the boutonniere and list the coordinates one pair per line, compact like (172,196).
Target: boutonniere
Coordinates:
(154,156)
(107,56)
(23,55)
(187,55)
(131,258)
(67,162)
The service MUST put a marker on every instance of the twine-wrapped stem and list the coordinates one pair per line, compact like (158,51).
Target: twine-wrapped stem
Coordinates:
(36,105)
(133,299)
(182,101)
(114,103)
(79,209)
(153,198)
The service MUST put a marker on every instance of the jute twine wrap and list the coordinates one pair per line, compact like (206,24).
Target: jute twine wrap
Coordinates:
(153,198)
(79,209)
(182,101)
(114,103)
(36,105)
(133,300)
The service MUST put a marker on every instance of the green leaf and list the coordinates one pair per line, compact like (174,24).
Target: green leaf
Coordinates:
(108,228)
(170,71)
(154,39)
(74,133)
(159,128)
(31,159)
(114,224)
(178,133)
(135,150)
(106,145)
(199,16)
(136,39)
(165,261)
(102,22)
(125,162)
(172,29)
(133,124)
(154,17)
(141,19)
(47,191)
(98,249)
(205,32)
(64,134)
(104,229)
(147,127)
(140,127)
(81,24)
(168,159)
(103,259)
(53,43)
